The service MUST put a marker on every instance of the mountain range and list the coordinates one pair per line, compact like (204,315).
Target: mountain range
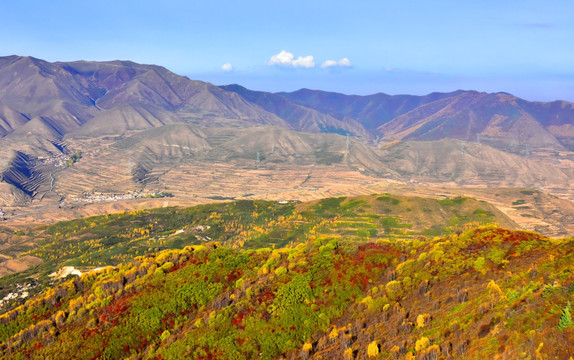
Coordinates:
(147,121)
(90,98)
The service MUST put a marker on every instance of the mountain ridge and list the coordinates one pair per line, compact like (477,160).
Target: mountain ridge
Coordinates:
(74,92)
(105,110)
(412,113)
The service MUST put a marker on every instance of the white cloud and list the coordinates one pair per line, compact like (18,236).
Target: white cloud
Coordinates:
(344,62)
(329,63)
(226,67)
(285,58)
(306,62)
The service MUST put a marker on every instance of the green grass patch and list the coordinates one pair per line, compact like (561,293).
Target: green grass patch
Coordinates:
(451,202)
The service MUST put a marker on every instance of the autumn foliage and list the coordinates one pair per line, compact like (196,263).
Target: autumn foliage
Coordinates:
(322,299)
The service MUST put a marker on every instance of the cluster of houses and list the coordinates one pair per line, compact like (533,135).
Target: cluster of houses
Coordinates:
(2,215)
(90,197)
(59,160)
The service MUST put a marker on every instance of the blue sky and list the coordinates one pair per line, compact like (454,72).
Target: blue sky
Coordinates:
(361,47)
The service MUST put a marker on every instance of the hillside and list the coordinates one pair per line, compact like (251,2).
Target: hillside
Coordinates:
(101,98)
(31,254)
(484,293)
(372,111)
(301,117)
(500,120)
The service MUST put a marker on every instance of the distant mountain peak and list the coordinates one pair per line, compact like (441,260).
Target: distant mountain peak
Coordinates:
(85,90)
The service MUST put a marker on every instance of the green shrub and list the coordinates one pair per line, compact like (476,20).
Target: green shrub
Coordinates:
(394,289)
(565,319)
(164,335)
(280,271)
(496,255)
(479,263)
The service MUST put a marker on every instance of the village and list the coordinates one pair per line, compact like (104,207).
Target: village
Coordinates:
(58,160)
(91,197)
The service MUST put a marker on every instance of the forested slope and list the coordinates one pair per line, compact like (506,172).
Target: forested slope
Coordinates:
(480,294)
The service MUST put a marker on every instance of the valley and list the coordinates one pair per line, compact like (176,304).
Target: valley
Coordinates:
(105,180)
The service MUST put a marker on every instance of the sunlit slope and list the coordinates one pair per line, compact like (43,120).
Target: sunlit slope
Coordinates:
(484,293)
(112,239)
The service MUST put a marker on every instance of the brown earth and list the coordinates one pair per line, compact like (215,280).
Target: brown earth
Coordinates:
(196,183)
